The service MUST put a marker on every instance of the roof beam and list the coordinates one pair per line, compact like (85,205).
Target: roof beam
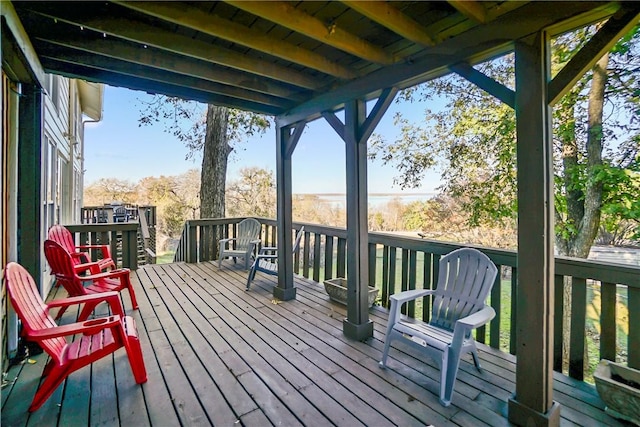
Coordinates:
(149,35)
(70,56)
(393,19)
(151,57)
(485,83)
(617,26)
(289,17)
(472,9)
(476,45)
(196,19)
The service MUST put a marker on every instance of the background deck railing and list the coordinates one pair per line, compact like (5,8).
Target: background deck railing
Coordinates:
(605,297)
(122,239)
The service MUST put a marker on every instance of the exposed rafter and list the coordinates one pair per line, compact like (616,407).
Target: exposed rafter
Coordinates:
(393,19)
(191,17)
(117,66)
(149,35)
(472,9)
(170,62)
(138,83)
(288,16)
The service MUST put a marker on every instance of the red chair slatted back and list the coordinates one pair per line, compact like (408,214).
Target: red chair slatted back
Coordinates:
(62,236)
(30,308)
(62,267)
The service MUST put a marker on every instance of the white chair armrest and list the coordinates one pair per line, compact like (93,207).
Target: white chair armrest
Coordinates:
(405,296)
(478,318)
(266,249)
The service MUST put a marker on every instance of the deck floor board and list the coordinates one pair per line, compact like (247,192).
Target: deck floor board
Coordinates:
(218,355)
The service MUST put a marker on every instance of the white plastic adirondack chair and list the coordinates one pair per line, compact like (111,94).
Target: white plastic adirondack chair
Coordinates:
(466,276)
(242,246)
(266,261)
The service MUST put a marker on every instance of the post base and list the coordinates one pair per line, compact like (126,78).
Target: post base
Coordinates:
(284,294)
(358,332)
(521,415)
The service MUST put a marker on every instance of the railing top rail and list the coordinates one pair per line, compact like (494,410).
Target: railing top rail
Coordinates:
(103,227)
(604,271)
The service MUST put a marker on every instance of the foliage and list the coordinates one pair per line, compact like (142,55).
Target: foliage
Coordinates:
(186,121)
(253,194)
(472,140)
(108,190)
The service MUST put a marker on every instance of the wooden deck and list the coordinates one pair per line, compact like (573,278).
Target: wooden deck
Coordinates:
(218,355)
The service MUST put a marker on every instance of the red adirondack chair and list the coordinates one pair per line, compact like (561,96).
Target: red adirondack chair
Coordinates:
(96,338)
(79,255)
(65,273)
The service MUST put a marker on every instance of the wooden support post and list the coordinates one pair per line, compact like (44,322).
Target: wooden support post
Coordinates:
(533,403)
(357,325)
(29,184)
(355,132)
(285,142)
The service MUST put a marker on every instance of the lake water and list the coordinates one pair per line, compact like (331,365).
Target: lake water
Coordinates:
(377,199)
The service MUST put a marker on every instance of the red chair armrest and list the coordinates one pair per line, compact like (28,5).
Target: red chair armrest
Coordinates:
(106,253)
(88,327)
(108,274)
(112,298)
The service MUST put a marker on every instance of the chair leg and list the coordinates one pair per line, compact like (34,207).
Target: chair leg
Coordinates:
(385,350)
(449,370)
(134,352)
(48,386)
(252,274)
(132,295)
(476,359)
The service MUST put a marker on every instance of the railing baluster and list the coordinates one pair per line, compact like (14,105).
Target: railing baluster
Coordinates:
(328,257)
(578,320)
(496,299)
(392,270)
(634,327)
(317,256)
(426,284)
(385,277)
(305,254)
(558,313)
(373,262)
(513,331)
(411,279)
(608,321)
(341,261)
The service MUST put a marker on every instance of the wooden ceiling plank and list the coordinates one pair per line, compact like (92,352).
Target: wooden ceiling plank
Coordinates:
(486,83)
(151,36)
(472,9)
(393,19)
(288,16)
(195,19)
(46,50)
(617,26)
(151,57)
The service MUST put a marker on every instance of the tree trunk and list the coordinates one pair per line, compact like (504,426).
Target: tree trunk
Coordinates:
(214,163)
(213,175)
(583,207)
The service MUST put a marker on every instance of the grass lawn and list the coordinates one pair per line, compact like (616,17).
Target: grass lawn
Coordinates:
(164,258)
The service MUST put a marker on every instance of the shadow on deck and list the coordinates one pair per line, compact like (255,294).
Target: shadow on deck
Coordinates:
(218,355)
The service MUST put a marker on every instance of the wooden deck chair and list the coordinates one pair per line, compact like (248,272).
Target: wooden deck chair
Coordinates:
(66,275)
(79,255)
(465,278)
(266,261)
(244,245)
(96,338)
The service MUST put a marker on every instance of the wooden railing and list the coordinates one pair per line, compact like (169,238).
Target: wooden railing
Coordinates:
(398,263)
(122,239)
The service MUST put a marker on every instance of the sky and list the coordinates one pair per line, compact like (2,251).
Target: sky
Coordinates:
(116,147)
